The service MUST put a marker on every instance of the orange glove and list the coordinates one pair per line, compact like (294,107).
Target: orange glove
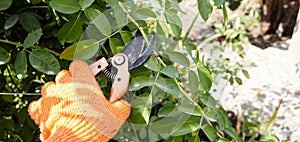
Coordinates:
(73,108)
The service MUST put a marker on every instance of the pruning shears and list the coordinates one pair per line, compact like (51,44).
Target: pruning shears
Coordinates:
(130,57)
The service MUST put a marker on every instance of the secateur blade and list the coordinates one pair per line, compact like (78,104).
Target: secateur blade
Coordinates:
(136,50)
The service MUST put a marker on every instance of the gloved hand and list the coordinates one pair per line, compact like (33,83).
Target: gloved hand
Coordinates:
(73,108)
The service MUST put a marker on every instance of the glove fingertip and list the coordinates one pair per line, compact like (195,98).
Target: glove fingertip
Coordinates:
(33,110)
(123,108)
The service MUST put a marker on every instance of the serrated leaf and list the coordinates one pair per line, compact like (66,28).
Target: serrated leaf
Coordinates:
(152,64)
(208,100)
(44,62)
(164,126)
(4,56)
(82,50)
(144,13)
(103,24)
(205,78)
(174,22)
(205,8)
(21,63)
(29,22)
(195,138)
(185,128)
(169,86)
(170,71)
(190,109)
(115,45)
(120,15)
(32,38)
(246,74)
(5,4)
(65,6)
(85,3)
(91,13)
(11,21)
(70,32)
(193,82)
(139,82)
(210,132)
(179,58)
(143,104)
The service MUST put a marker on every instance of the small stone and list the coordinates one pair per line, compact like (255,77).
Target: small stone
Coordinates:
(297,92)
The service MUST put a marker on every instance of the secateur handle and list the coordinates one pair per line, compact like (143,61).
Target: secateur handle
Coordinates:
(121,79)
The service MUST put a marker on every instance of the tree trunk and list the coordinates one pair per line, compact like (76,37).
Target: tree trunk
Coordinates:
(278,17)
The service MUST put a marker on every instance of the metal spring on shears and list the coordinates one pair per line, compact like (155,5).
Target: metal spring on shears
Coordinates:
(106,72)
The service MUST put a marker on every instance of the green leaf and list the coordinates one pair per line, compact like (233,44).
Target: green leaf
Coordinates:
(81,50)
(91,13)
(179,58)
(195,138)
(219,2)
(231,132)
(210,132)
(193,52)
(190,109)
(115,45)
(246,74)
(11,21)
(29,22)
(238,80)
(143,133)
(139,82)
(8,98)
(4,56)
(168,111)
(32,38)
(144,13)
(143,104)
(65,6)
(152,64)
(205,8)
(186,128)
(121,17)
(85,3)
(193,82)
(21,63)
(174,22)
(170,71)
(223,120)
(5,4)
(103,24)
(70,31)
(169,86)
(210,114)
(126,36)
(44,62)
(208,100)
(164,126)
(162,29)
(205,78)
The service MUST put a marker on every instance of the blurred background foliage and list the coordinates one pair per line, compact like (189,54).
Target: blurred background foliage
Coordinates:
(170,94)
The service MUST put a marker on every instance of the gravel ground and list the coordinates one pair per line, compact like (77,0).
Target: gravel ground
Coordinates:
(274,75)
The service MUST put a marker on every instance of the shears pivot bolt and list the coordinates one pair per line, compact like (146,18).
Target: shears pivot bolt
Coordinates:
(119,60)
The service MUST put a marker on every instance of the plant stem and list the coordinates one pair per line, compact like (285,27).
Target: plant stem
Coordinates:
(10,42)
(134,22)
